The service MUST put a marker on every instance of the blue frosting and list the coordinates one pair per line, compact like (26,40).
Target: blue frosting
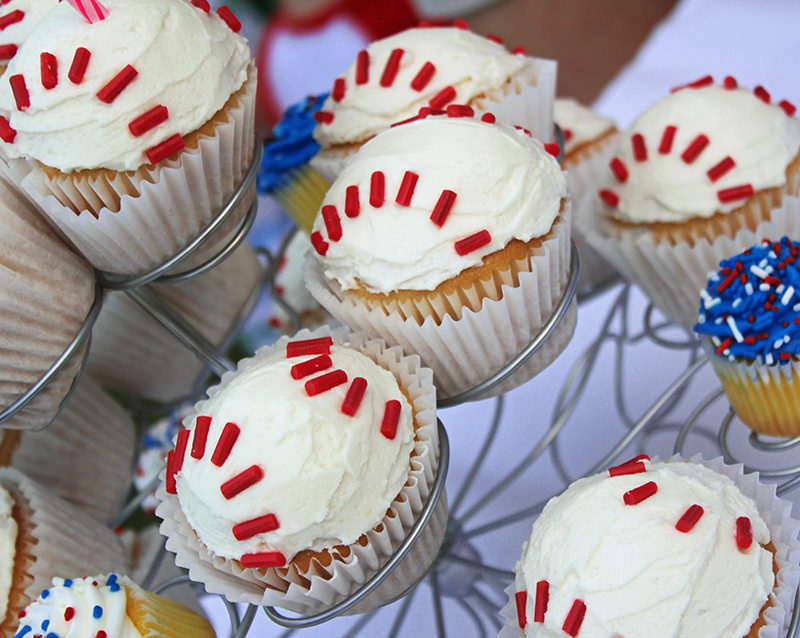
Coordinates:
(751,306)
(291,144)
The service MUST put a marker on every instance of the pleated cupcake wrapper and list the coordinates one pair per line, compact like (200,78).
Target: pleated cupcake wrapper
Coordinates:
(318,588)
(93,433)
(777,514)
(464,352)
(134,353)
(672,275)
(525,101)
(68,542)
(185,195)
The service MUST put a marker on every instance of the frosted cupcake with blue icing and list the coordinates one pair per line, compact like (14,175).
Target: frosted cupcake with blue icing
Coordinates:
(749,323)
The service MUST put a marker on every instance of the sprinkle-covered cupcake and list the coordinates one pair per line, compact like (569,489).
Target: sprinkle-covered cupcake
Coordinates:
(658,549)
(749,324)
(701,175)
(393,78)
(451,237)
(303,471)
(152,150)
(108,606)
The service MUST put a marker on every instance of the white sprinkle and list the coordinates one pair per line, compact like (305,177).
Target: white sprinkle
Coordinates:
(748,288)
(735,330)
(763,287)
(763,263)
(796,307)
(777,344)
(758,272)
(718,320)
(787,296)
(769,359)
(701,319)
(736,302)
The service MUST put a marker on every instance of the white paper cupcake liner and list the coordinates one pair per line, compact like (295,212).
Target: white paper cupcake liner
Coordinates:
(92,433)
(315,591)
(465,352)
(148,229)
(776,513)
(134,353)
(672,276)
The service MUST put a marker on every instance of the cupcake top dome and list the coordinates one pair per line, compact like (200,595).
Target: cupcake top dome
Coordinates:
(120,92)
(303,448)
(423,201)
(703,149)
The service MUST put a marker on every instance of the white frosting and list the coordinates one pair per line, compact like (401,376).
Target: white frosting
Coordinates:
(579,123)
(94,608)
(760,138)
(34,11)
(328,477)
(504,182)
(187,60)
(8,539)
(468,62)
(635,571)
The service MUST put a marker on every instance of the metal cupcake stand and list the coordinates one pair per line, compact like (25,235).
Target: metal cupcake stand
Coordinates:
(462,585)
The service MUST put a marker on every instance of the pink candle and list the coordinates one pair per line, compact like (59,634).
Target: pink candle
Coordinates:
(92,10)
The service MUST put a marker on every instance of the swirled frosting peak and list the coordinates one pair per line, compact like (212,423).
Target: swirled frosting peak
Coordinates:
(705,148)
(426,200)
(305,447)
(108,95)
(663,550)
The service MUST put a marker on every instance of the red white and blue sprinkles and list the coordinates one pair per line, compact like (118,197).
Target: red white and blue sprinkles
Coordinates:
(751,306)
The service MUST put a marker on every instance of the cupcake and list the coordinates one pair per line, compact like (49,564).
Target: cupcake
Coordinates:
(303,471)
(701,175)
(152,151)
(393,78)
(108,606)
(589,143)
(43,537)
(19,17)
(46,292)
(658,549)
(92,432)
(451,237)
(749,325)
(134,353)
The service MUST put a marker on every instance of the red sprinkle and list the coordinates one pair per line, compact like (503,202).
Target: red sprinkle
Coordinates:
(735,192)
(574,620)
(728,281)
(101,634)
(7,51)
(325,382)
(362,67)
(241,481)
(170,480)
(7,134)
(473,242)
(540,604)
(260,525)
(117,84)
(703,81)
(639,147)
(11,18)
(460,23)
(180,449)
(459,110)
(722,347)
(719,169)
(443,97)
(744,533)
(69,613)
(494,38)
(306,368)
(323,117)
(730,82)
(762,94)
(636,459)
(553,149)
(201,426)
(320,245)
(406,190)
(694,149)
(355,393)
(48,67)
(332,222)
(619,169)
(489,118)
(665,146)
(321,345)
(202,5)
(165,149)
(638,494)
(423,76)
(377,189)
(609,197)
(788,108)
(352,203)
(627,468)
(231,20)
(150,119)
(20,89)
(689,519)
(391,417)
(391,68)
(519,50)
(443,206)
(263,559)
(225,444)
(785,356)
(521,598)
(339,89)
(79,63)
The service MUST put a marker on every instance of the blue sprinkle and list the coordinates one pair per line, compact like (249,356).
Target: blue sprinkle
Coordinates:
(97,612)
(114,588)
(45,593)
(111,579)
(52,635)
(68,582)
(45,625)
(24,630)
